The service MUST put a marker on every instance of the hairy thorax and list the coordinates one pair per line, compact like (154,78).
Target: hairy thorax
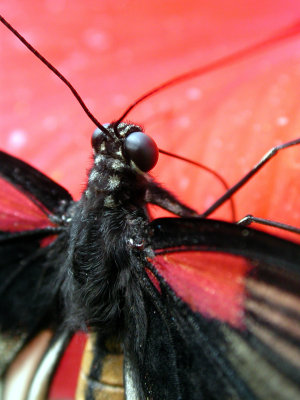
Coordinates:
(108,245)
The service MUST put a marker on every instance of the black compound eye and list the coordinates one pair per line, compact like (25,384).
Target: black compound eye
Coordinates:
(97,138)
(142,150)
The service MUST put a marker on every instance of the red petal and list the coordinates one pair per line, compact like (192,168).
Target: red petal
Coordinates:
(114,51)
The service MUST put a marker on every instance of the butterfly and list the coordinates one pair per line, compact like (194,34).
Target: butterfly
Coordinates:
(105,265)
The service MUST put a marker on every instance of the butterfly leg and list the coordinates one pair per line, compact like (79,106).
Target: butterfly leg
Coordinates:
(161,197)
(249,219)
(266,158)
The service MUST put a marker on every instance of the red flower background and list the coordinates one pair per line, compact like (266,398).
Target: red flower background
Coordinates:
(113,52)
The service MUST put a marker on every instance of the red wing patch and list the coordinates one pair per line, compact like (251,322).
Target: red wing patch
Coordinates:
(212,284)
(18,212)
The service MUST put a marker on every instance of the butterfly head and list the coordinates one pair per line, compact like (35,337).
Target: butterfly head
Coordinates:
(127,143)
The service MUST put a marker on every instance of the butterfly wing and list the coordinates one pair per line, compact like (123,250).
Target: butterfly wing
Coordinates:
(43,191)
(223,315)
(31,237)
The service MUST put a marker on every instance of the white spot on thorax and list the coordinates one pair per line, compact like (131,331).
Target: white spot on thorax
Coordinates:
(99,158)
(87,194)
(113,182)
(109,202)
(94,176)
(102,147)
(117,165)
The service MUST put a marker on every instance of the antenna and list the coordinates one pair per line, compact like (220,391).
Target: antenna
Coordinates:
(57,73)
(292,30)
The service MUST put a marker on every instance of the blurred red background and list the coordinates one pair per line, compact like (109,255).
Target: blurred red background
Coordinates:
(113,52)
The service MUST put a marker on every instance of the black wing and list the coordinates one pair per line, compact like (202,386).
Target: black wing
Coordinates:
(31,241)
(42,190)
(223,307)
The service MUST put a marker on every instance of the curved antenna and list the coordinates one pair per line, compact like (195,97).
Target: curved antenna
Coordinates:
(283,34)
(205,168)
(57,73)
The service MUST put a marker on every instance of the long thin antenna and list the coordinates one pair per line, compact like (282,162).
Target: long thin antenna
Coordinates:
(57,73)
(283,34)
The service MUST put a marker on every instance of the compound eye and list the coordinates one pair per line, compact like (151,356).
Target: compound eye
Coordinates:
(142,150)
(97,139)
